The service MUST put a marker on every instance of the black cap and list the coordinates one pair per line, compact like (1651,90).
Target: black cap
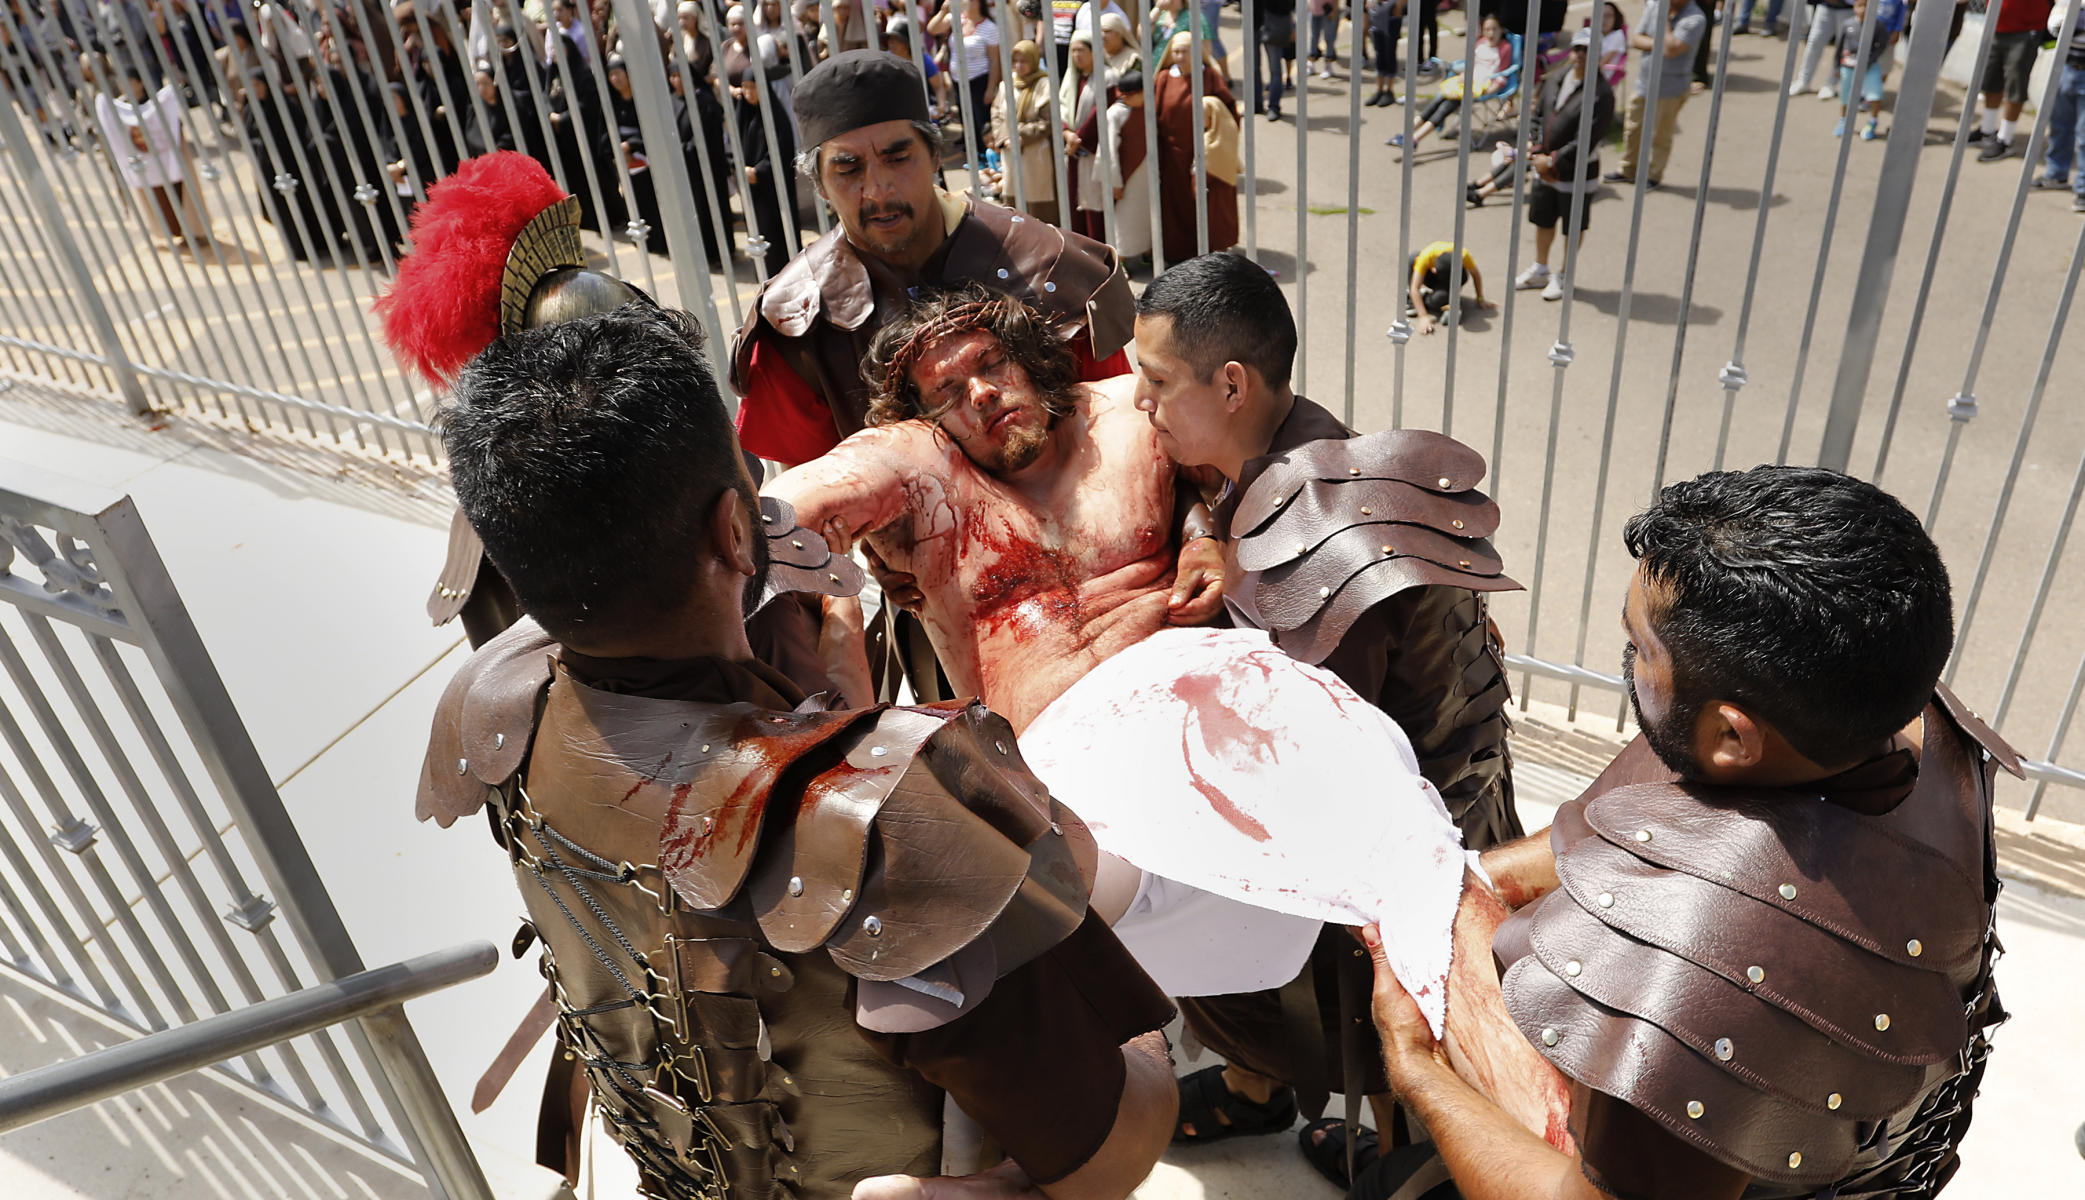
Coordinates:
(858,88)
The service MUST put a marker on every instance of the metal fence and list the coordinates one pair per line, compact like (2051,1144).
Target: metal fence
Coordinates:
(144,855)
(263,319)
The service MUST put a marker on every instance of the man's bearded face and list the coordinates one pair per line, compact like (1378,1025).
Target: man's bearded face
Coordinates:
(984,400)
(1668,718)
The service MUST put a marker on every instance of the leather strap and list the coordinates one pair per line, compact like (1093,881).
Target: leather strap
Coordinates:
(534,1024)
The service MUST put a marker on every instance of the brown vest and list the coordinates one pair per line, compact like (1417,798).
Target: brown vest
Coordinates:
(1795,988)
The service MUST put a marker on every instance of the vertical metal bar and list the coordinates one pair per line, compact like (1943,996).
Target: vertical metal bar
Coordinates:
(2003,508)
(1302,218)
(757,238)
(1824,245)
(1878,266)
(1465,135)
(12,909)
(1701,203)
(1010,165)
(720,224)
(1154,163)
(959,55)
(73,266)
(1522,180)
(1255,64)
(597,67)
(1357,22)
(1400,331)
(1733,375)
(1199,124)
(1104,154)
(413,99)
(796,73)
(576,117)
(56,298)
(459,45)
(1963,406)
(60,924)
(2050,566)
(1065,199)
(2056,739)
(669,170)
(539,93)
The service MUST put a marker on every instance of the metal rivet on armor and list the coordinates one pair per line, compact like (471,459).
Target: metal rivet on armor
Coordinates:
(708,823)
(500,739)
(846,895)
(1833,1101)
(1882,1022)
(1359,953)
(1694,1109)
(872,925)
(834,578)
(1643,835)
(1725,1050)
(796,885)
(788,1082)
(705,747)
(1756,974)
(1003,271)
(795,544)
(1000,746)
(1367,512)
(1056,829)
(1573,968)
(1549,1037)
(1788,891)
(1914,948)
(775,971)
(1462,562)
(1457,523)
(1354,471)
(462,765)
(1446,482)
(1389,550)
(1302,547)
(767,518)
(1795,1159)
(1605,900)
(877,752)
(1324,593)
(1049,287)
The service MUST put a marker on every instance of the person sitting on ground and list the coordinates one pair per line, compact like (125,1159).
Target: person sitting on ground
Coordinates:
(1761,943)
(1483,76)
(1432,289)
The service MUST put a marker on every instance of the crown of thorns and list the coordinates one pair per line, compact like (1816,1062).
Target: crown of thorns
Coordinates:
(957,318)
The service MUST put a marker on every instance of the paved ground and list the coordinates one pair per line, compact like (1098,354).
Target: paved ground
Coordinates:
(337,690)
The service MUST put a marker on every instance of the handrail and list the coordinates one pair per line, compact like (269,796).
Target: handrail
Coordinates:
(75,1083)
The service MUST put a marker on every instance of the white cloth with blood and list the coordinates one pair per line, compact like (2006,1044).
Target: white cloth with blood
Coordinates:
(1267,797)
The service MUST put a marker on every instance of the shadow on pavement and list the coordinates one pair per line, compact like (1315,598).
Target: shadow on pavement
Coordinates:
(1653,307)
(1741,199)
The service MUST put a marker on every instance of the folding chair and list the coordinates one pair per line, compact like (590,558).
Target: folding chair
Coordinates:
(1492,107)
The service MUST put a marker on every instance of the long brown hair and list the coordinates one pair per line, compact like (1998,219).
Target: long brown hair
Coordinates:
(1024,333)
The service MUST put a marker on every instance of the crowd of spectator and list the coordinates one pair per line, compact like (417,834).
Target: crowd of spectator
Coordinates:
(1089,113)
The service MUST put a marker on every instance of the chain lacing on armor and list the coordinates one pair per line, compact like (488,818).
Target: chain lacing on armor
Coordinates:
(639,1132)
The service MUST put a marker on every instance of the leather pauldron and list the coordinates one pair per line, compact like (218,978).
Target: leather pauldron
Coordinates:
(1334,527)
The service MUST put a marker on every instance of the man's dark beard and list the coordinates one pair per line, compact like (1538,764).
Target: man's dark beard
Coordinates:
(1671,741)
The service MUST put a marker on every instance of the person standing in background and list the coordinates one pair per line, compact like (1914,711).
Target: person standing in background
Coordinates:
(1276,37)
(2064,163)
(1669,67)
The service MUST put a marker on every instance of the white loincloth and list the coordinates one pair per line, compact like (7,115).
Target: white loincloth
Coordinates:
(1267,797)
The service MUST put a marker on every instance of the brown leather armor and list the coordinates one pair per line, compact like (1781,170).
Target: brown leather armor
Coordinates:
(712,882)
(1368,556)
(1793,987)
(822,310)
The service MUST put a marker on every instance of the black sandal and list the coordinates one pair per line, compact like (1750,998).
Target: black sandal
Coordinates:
(1203,1096)
(1328,1153)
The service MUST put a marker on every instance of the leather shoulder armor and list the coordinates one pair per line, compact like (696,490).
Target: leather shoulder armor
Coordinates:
(1772,977)
(836,828)
(1333,528)
(799,560)
(483,723)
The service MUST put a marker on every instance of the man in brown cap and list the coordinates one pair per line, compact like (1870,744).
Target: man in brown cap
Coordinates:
(873,154)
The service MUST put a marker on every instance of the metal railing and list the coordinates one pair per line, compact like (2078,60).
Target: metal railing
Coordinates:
(238,330)
(59,1088)
(136,817)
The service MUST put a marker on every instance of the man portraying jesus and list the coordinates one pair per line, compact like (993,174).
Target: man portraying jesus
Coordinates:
(1034,513)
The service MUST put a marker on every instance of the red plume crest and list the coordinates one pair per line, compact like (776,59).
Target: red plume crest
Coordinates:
(444,306)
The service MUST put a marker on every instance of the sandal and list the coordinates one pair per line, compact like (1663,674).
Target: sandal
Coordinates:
(1328,1153)
(1203,1097)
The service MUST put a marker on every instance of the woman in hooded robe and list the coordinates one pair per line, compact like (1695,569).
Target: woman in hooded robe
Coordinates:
(1033,111)
(1081,100)
(1173,92)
